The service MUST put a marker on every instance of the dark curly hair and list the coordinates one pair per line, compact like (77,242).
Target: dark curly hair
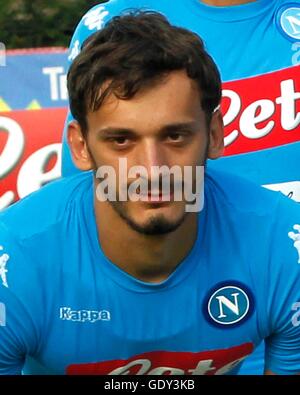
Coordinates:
(132,52)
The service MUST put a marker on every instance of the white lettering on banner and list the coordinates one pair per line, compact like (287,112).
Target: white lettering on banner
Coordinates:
(57,77)
(63,87)
(249,118)
(14,147)
(11,154)
(32,175)
(6,199)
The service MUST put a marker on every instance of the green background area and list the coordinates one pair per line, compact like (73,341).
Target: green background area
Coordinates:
(40,23)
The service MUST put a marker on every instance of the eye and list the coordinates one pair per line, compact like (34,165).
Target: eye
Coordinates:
(175,137)
(121,140)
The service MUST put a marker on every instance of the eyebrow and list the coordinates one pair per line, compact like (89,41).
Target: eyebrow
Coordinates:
(176,127)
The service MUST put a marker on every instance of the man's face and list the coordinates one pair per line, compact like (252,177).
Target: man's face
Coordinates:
(163,125)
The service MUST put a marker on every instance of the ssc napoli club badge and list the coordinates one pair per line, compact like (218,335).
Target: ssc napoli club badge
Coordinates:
(288,21)
(228,304)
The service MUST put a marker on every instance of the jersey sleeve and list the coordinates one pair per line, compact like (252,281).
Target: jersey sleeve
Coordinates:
(90,23)
(18,333)
(282,355)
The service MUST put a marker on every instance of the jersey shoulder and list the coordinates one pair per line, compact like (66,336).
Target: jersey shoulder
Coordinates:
(270,219)
(241,195)
(45,208)
(34,238)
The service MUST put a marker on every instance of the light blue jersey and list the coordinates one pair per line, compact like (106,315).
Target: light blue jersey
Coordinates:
(71,310)
(257,49)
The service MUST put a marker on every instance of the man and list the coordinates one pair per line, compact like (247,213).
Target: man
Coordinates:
(246,39)
(173,290)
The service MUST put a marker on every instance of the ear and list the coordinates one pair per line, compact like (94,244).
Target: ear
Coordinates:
(216,132)
(78,147)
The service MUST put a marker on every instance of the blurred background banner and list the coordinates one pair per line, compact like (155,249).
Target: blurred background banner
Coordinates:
(34,79)
(33,107)
(33,95)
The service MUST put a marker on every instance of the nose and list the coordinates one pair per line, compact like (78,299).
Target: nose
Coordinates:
(150,154)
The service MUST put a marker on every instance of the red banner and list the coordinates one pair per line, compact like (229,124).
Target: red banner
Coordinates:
(30,151)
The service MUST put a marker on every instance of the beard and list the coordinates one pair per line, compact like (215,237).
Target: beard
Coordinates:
(155,226)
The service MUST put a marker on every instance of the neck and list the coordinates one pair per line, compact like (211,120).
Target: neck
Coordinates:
(148,258)
(220,3)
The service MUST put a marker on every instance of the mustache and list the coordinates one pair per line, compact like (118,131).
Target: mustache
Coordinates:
(157,183)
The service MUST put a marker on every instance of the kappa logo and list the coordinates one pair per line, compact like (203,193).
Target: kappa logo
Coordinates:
(296,239)
(289,21)
(228,304)
(91,316)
